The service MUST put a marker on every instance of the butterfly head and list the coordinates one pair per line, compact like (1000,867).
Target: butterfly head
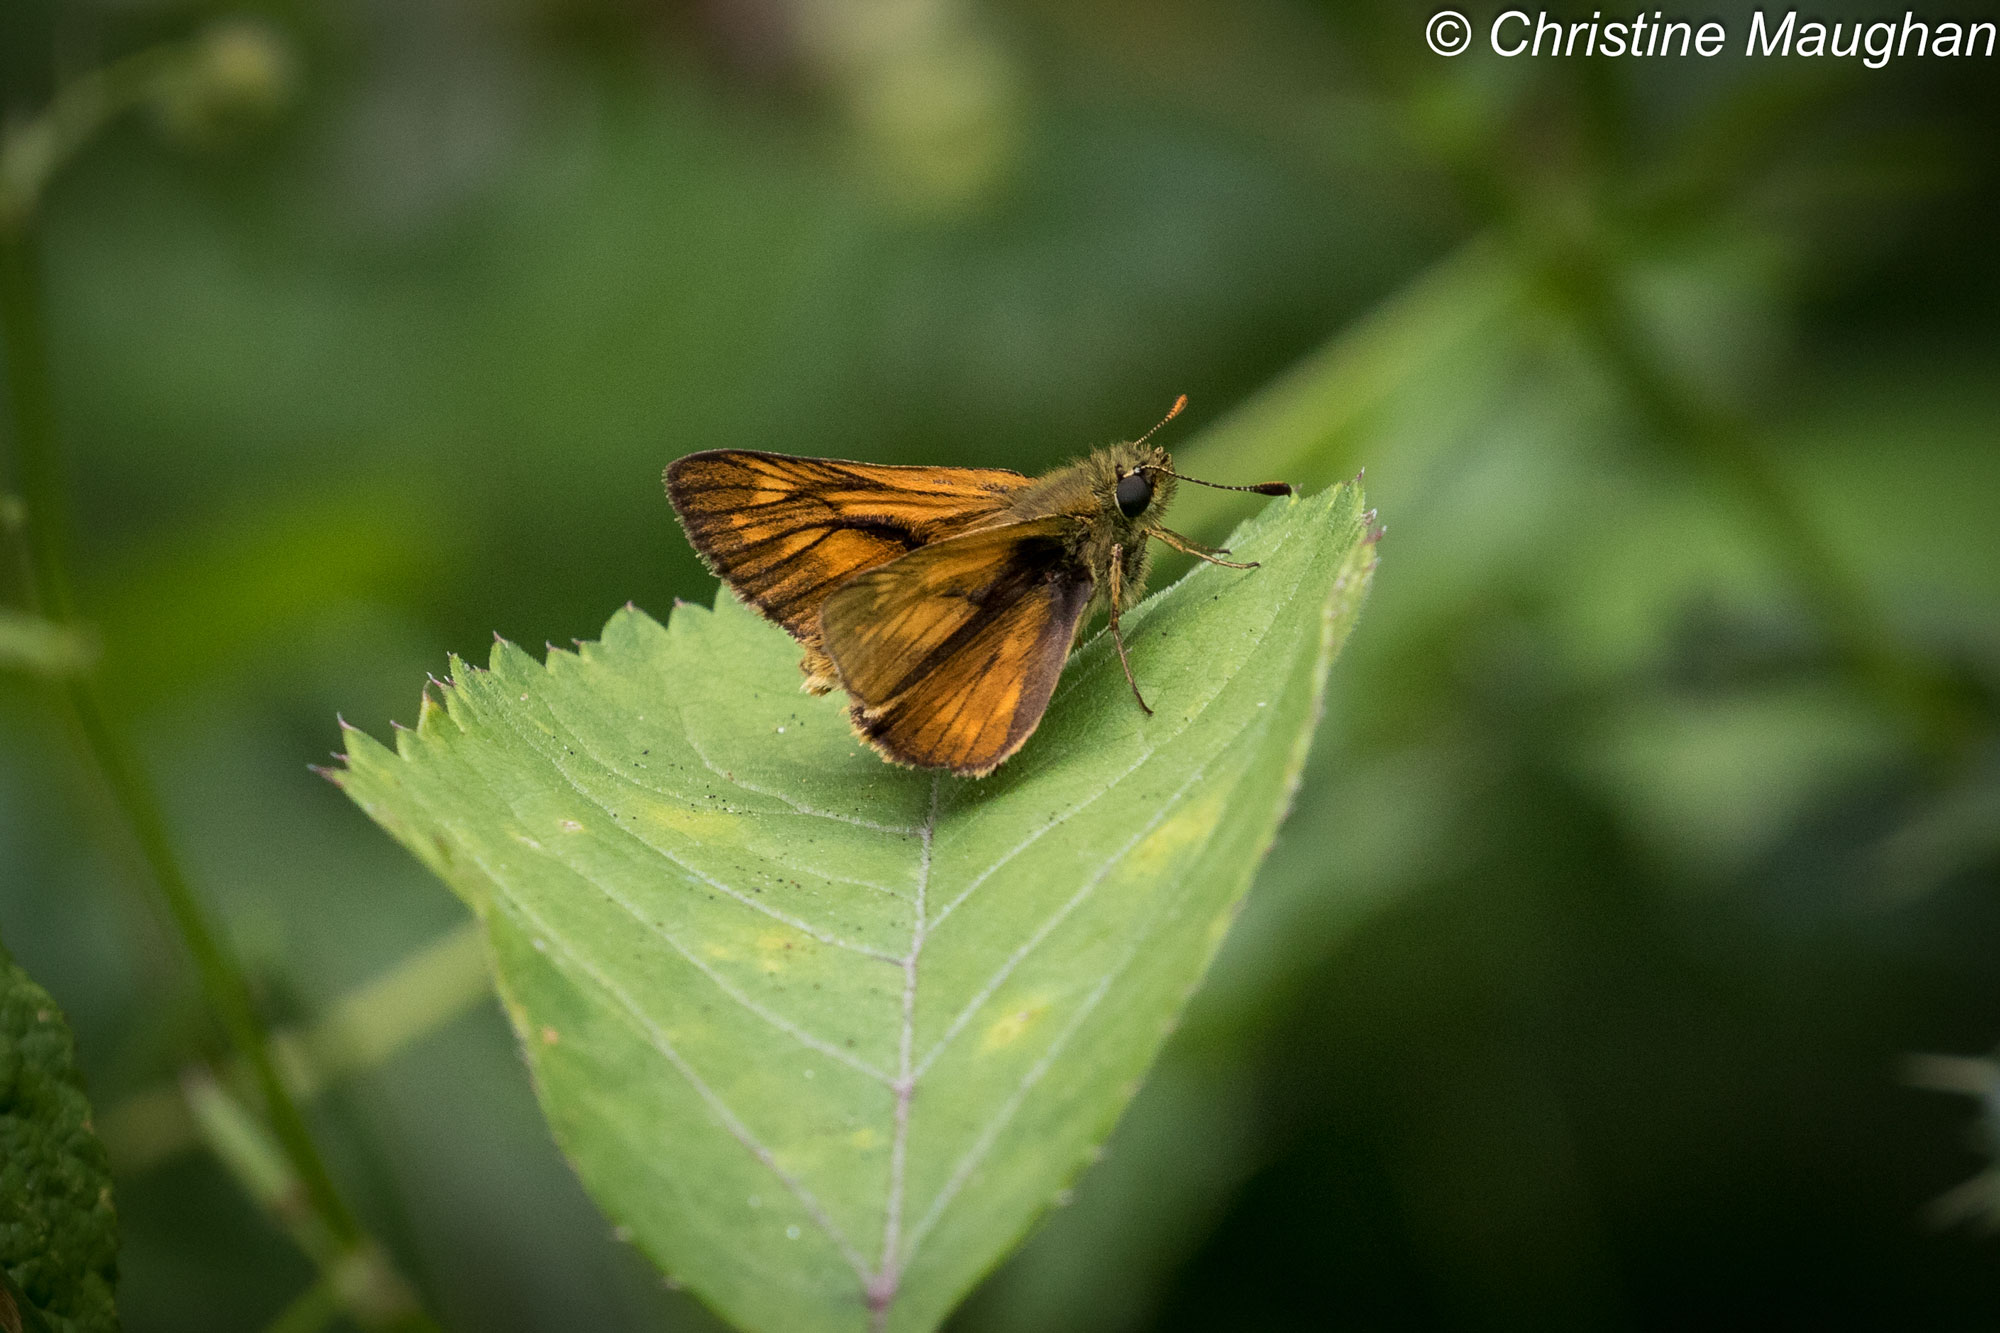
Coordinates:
(1143,476)
(1141,482)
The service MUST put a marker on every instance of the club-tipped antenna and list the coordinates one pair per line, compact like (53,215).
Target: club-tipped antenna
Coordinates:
(1265,488)
(1261,488)
(1172,412)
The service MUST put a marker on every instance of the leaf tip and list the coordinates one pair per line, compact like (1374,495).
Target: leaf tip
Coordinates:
(429,709)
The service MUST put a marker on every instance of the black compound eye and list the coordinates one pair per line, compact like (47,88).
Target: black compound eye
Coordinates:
(1135,492)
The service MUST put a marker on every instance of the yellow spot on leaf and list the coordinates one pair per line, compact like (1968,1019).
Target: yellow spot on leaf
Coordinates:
(1007,1029)
(694,823)
(1180,836)
(863,1139)
(771,950)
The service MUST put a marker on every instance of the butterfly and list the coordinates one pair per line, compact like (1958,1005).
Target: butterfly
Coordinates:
(943,600)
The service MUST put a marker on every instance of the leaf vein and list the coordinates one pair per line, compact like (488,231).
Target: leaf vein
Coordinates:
(727,987)
(798,807)
(1029,841)
(660,1042)
(1047,928)
(617,774)
(990,1133)
(803,927)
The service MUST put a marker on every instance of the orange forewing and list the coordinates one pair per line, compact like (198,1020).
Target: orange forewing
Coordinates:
(785,532)
(951,652)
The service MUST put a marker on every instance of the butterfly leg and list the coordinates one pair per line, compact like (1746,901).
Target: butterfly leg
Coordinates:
(1117,596)
(1197,550)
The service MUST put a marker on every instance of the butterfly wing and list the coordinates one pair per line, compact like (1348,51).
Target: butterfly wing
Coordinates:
(784,532)
(951,652)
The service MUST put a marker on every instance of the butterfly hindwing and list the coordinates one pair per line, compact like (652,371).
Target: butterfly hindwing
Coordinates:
(950,653)
(784,532)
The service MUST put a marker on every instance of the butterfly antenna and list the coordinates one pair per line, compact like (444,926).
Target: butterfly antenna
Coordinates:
(1267,488)
(1262,488)
(1172,412)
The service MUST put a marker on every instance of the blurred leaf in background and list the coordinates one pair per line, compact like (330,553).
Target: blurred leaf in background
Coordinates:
(1655,821)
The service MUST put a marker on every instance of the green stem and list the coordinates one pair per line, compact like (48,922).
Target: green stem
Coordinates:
(39,468)
(32,154)
(355,1276)
(362,1030)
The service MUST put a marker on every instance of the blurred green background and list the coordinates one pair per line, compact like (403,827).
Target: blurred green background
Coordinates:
(1655,822)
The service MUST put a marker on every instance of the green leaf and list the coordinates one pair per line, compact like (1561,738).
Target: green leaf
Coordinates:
(822,1035)
(58,1233)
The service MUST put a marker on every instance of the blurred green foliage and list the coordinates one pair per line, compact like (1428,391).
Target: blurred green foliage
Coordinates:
(1657,815)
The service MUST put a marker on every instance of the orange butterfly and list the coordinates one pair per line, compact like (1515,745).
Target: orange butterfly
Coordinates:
(944,600)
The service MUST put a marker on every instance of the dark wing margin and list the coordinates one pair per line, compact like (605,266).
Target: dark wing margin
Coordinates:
(951,653)
(783,532)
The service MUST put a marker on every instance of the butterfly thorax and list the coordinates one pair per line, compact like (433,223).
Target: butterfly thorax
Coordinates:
(1086,491)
